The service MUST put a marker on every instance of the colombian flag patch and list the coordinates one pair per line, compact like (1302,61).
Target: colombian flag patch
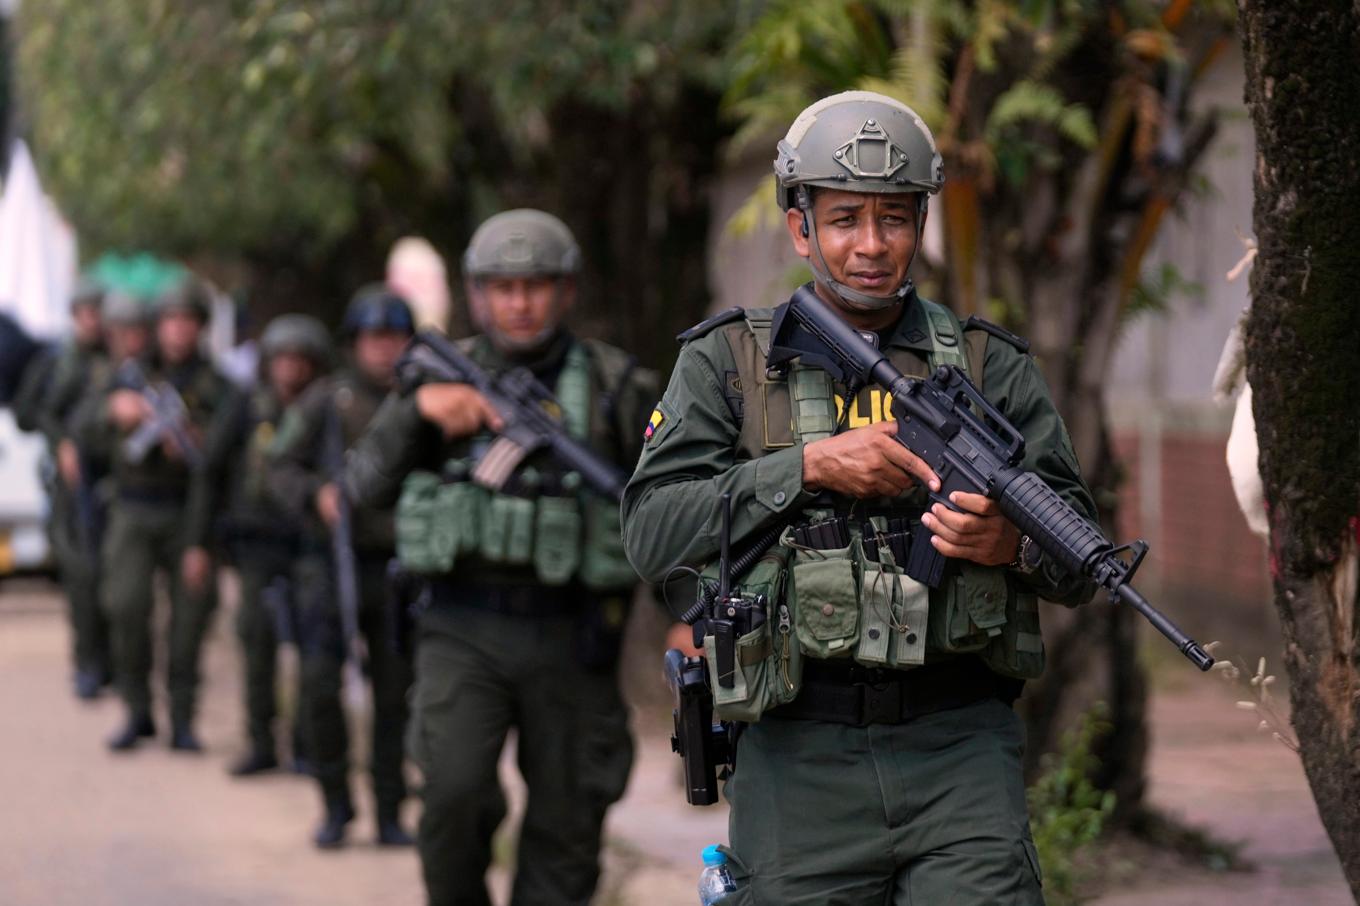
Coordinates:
(653,424)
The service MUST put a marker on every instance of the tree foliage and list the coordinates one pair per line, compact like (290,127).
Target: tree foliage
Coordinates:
(303,136)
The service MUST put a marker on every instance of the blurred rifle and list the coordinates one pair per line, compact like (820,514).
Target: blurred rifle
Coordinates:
(524,405)
(169,418)
(344,565)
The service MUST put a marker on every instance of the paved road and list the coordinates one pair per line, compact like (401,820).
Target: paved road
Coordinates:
(152,828)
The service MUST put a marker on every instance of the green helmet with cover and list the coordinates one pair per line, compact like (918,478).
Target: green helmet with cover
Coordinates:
(88,293)
(522,243)
(856,141)
(123,309)
(188,294)
(297,333)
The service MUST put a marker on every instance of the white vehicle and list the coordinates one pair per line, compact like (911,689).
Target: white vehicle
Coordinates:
(23,502)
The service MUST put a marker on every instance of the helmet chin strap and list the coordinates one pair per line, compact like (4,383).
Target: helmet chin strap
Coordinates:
(853,298)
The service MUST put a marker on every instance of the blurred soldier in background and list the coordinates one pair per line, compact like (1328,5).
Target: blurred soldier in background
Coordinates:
(76,515)
(162,501)
(305,461)
(527,609)
(261,537)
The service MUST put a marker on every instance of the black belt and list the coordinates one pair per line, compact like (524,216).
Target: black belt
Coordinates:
(859,696)
(507,599)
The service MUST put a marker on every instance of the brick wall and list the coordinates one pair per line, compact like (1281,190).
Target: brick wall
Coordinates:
(1209,571)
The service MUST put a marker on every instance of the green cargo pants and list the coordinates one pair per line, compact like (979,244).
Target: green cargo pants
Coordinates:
(141,539)
(477,675)
(323,660)
(263,573)
(79,573)
(925,813)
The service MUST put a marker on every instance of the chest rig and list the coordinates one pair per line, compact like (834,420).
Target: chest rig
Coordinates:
(543,526)
(838,574)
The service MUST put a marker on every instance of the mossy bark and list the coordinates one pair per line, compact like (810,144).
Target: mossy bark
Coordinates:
(1303,362)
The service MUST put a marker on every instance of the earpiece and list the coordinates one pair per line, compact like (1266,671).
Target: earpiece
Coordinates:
(805,230)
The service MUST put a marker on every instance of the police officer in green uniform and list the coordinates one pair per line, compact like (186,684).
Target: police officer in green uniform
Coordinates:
(161,512)
(377,325)
(879,706)
(74,526)
(262,538)
(528,586)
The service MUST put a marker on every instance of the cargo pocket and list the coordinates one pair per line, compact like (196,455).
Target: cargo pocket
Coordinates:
(557,539)
(768,665)
(1019,650)
(604,564)
(741,877)
(825,595)
(507,534)
(460,509)
(973,609)
(752,691)
(421,545)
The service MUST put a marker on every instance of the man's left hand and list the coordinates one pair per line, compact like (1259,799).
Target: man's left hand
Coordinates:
(980,533)
(195,568)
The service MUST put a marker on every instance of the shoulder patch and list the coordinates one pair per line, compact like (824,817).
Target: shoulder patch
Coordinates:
(703,327)
(1001,333)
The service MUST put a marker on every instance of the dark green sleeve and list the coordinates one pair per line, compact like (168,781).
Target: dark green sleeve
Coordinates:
(670,507)
(1013,382)
(397,441)
(293,473)
(222,438)
(28,402)
(91,427)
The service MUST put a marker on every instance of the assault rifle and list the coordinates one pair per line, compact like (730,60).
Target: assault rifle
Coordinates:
(979,454)
(169,418)
(343,564)
(524,405)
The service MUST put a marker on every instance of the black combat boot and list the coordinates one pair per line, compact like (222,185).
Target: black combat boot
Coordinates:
(259,761)
(182,739)
(138,727)
(390,831)
(88,684)
(331,833)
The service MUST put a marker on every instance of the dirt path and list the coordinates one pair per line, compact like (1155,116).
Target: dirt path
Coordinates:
(152,828)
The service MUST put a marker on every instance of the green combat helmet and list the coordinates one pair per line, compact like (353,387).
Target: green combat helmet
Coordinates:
(522,243)
(377,307)
(188,294)
(297,333)
(123,308)
(857,141)
(88,293)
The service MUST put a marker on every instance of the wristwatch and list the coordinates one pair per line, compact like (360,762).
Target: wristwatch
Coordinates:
(1028,556)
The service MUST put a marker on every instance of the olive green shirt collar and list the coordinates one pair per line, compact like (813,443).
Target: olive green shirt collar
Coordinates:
(912,331)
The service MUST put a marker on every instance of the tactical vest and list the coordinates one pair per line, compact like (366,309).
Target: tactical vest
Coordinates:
(549,526)
(855,600)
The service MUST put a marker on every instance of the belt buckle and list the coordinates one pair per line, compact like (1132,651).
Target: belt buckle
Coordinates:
(882,703)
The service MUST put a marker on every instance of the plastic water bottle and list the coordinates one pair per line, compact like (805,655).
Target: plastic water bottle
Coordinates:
(716,881)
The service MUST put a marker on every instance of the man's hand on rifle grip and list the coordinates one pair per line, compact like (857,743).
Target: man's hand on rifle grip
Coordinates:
(456,409)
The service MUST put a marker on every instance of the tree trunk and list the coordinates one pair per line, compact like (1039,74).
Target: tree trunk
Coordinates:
(1302,340)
